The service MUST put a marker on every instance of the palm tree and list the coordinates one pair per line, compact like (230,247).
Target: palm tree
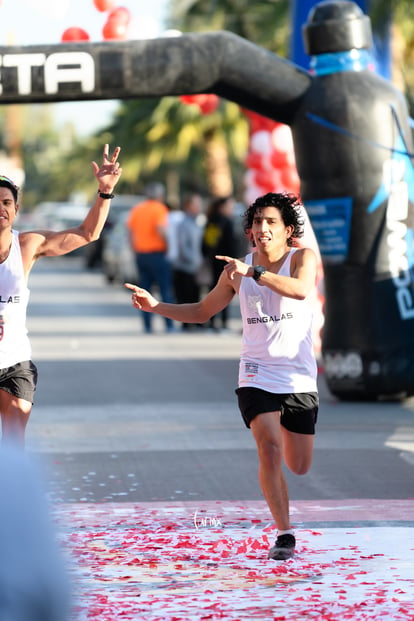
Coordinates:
(179,139)
(172,134)
(164,136)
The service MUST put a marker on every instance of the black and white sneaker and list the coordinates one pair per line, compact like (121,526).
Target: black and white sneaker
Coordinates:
(283,549)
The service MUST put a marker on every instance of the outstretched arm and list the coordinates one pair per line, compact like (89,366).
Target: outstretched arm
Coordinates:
(50,243)
(198,312)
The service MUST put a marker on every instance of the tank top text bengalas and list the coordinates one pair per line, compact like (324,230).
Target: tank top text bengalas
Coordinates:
(277,351)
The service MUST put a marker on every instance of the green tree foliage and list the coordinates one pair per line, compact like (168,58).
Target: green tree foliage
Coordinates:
(161,135)
(398,17)
(162,138)
(265,22)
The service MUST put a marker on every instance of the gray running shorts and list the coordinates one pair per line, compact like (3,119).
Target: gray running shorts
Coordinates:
(20,380)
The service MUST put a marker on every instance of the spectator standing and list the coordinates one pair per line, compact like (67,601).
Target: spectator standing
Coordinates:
(148,228)
(219,239)
(174,218)
(189,257)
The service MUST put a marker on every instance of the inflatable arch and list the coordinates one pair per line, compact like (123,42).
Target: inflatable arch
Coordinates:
(353,149)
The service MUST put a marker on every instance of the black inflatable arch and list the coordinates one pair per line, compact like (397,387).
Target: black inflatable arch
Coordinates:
(353,148)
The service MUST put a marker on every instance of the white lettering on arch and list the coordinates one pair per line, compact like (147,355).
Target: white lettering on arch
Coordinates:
(23,63)
(69,67)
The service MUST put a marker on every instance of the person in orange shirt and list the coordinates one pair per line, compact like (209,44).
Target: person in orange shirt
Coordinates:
(148,230)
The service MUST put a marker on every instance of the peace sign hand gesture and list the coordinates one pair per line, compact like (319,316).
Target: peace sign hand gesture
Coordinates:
(109,172)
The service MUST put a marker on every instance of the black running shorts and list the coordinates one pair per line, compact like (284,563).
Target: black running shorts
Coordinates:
(20,380)
(299,411)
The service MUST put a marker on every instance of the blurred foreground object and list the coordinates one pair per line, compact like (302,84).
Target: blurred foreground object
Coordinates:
(33,582)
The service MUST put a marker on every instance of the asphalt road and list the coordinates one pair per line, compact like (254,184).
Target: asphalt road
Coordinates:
(124,416)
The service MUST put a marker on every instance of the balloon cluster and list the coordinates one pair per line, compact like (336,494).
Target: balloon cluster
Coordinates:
(115,27)
(270,161)
(271,167)
(206,103)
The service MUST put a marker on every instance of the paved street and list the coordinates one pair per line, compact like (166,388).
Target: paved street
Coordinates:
(114,401)
(130,424)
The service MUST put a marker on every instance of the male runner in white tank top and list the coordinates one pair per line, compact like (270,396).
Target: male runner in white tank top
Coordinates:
(277,390)
(18,253)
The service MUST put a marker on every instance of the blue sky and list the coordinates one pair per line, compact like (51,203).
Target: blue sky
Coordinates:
(33,22)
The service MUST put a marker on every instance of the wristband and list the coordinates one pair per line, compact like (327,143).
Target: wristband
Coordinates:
(258,270)
(103,195)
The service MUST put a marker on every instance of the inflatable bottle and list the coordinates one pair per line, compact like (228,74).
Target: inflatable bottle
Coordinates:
(353,149)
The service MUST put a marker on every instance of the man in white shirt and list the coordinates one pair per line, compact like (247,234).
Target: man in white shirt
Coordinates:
(18,254)
(277,390)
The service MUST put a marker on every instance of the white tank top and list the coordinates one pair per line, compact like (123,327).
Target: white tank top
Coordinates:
(277,351)
(14,297)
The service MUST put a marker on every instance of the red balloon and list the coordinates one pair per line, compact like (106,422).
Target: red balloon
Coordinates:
(206,102)
(254,160)
(268,180)
(75,34)
(104,5)
(188,100)
(209,104)
(114,30)
(258,122)
(117,24)
(290,179)
(263,179)
(278,159)
(121,14)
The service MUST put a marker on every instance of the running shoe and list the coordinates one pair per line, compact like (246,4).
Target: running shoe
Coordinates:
(283,549)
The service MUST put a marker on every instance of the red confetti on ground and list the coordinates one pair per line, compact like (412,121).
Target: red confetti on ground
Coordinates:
(135,562)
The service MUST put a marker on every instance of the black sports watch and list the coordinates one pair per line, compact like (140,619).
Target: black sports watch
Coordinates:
(258,270)
(105,195)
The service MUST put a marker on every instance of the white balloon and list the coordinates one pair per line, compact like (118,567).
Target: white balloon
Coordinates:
(171,32)
(251,193)
(261,142)
(282,138)
(248,177)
